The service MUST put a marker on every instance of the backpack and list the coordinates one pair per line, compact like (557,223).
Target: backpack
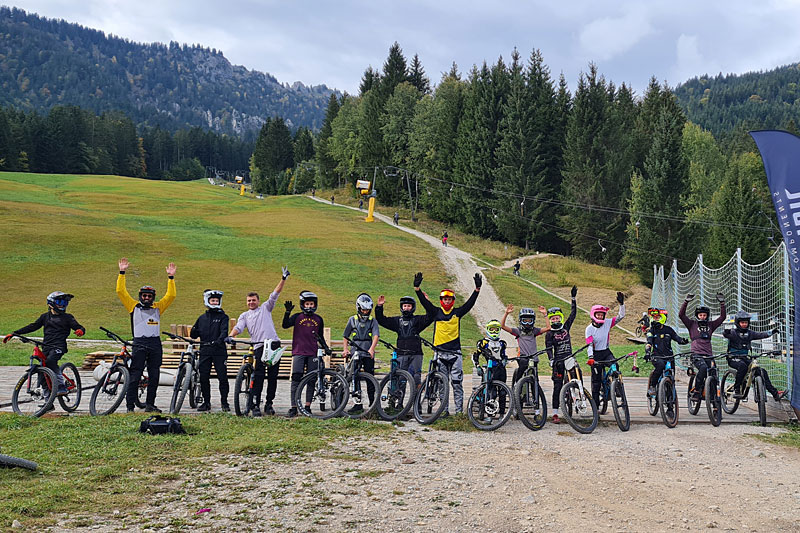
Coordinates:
(159,425)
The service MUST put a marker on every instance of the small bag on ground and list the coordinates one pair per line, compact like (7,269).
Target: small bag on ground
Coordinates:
(159,425)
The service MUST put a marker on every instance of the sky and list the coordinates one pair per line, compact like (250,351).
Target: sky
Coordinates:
(332,42)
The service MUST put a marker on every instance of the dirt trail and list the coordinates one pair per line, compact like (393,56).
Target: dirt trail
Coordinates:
(510,262)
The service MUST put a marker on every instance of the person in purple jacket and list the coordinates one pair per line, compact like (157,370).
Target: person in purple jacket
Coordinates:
(307,326)
(257,320)
(700,331)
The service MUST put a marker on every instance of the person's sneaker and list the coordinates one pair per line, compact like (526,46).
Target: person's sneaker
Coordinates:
(292,412)
(151,409)
(779,395)
(696,397)
(651,391)
(556,420)
(131,410)
(737,394)
(50,408)
(226,408)
(268,410)
(256,412)
(140,405)
(204,407)
(62,390)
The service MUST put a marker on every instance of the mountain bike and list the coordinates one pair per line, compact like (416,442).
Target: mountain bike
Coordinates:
(243,400)
(113,386)
(711,390)
(36,390)
(9,461)
(322,393)
(730,401)
(577,404)
(358,403)
(434,391)
(613,390)
(490,405)
(665,400)
(396,391)
(529,400)
(187,379)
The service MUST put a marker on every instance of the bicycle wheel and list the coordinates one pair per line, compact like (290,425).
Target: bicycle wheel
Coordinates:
(72,380)
(109,391)
(652,402)
(241,391)
(692,404)
(729,403)
(9,461)
(530,403)
(761,399)
(619,403)
(713,401)
(490,406)
(396,395)
(432,398)
(180,387)
(360,404)
(195,392)
(35,392)
(605,392)
(323,402)
(668,402)
(578,407)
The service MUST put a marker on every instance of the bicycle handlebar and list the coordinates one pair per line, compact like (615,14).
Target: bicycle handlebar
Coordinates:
(388,345)
(28,339)
(436,348)
(190,342)
(113,336)
(612,361)
(529,356)
(573,354)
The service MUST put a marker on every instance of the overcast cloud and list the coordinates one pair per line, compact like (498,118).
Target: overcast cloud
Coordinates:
(333,42)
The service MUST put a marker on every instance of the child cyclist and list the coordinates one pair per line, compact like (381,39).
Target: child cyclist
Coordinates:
(447,332)
(362,333)
(558,343)
(492,347)
(212,328)
(526,335)
(739,339)
(599,332)
(700,331)
(307,325)
(408,327)
(659,345)
(57,324)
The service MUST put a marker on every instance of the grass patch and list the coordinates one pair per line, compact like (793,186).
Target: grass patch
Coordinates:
(458,422)
(107,458)
(371,473)
(790,438)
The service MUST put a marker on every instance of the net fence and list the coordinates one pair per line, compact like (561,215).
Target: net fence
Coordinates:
(763,290)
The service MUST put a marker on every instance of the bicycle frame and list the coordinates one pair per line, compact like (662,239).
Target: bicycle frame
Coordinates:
(37,359)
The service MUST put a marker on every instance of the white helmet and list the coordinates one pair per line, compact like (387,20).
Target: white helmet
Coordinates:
(363,306)
(211,293)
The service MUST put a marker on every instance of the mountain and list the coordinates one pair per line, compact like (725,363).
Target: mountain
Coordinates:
(47,62)
(754,100)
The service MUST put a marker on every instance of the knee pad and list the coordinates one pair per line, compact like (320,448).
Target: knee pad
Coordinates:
(297,376)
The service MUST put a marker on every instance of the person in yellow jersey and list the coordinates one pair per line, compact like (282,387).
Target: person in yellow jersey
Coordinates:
(146,330)
(447,332)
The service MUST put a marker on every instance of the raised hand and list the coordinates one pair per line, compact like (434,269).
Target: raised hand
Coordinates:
(417,279)
(689,297)
(123,264)
(285,272)
(509,309)
(288,305)
(620,298)
(478,280)
(720,297)
(574,291)
(171,268)
(381,299)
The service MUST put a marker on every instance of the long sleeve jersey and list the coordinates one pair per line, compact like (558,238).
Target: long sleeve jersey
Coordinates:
(56,329)
(739,341)
(145,321)
(212,327)
(304,335)
(700,333)
(558,342)
(600,334)
(407,329)
(660,340)
(447,325)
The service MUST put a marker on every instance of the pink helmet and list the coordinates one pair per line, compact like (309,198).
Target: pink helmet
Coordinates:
(595,309)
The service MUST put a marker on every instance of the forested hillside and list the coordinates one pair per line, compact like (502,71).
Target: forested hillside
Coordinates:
(46,62)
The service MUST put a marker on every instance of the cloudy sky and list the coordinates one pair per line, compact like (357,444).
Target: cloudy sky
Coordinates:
(332,42)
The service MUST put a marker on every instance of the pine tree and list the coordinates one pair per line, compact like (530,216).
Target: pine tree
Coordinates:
(417,77)
(369,80)
(397,123)
(325,163)
(303,145)
(395,71)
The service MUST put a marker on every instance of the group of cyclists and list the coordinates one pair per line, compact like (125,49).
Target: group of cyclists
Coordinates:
(362,333)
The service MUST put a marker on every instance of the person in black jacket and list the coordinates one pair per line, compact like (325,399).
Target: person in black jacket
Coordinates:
(659,344)
(408,326)
(211,328)
(739,339)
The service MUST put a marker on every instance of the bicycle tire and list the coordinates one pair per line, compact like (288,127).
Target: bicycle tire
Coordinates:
(179,388)
(729,403)
(114,389)
(335,391)
(399,400)
(605,392)
(572,390)
(619,404)
(432,398)
(761,399)
(652,402)
(498,411)
(10,461)
(40,399)
(668,398)
(692,405)
(360,397)
(195,391)
(713,401)
(241,390)
(527,403)
(72,380)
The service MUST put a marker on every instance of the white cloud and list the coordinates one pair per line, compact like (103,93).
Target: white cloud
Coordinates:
(608,37)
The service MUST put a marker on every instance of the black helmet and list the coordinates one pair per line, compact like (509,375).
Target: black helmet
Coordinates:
(308,296)
(741,316)
(147,289)
(211,293)
(58,301)
(527,318)
(363,306)
(702,309)
(408,300)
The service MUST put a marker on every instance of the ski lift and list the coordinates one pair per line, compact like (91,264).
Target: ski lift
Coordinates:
(600,244)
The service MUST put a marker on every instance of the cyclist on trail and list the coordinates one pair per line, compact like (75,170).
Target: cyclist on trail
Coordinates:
(396,218)
(558,343)
(645,322)
(516,268)
(307,326)
(700,331)
(739,339)
(212,328)
(447,332)
(362,333)
(526,335)
(408,327)
(599,332)
(257,320)
(57,324)
(444,238)
(659,344)
(494,348)
(146,330)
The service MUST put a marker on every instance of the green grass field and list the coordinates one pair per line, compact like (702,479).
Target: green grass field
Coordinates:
(66,232)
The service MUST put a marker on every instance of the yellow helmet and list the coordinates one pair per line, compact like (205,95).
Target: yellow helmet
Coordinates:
(493,328)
